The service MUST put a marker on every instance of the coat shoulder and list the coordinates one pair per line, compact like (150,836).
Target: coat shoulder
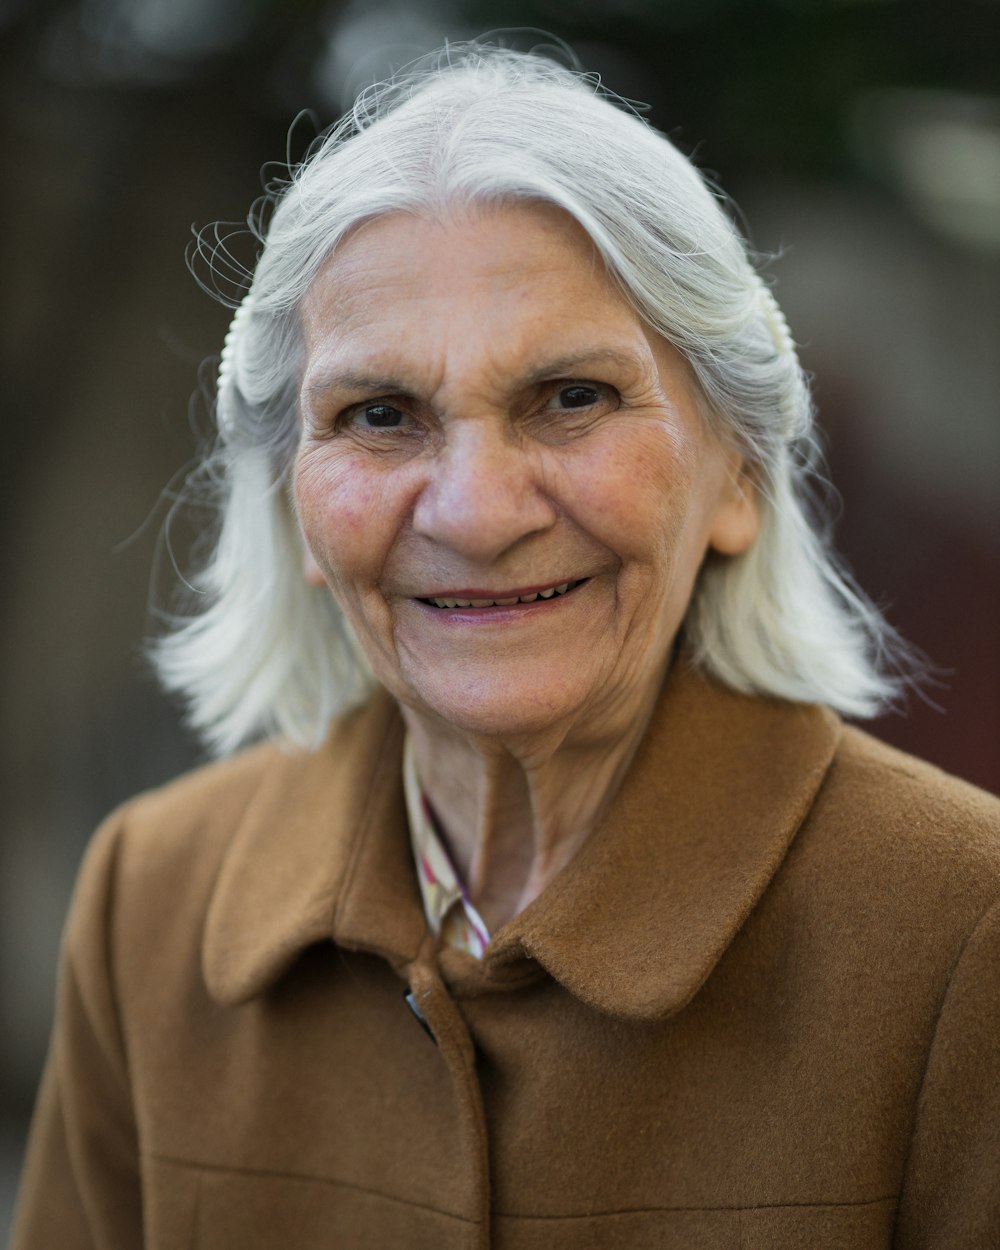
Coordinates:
(895,786)
(165,848)
(909,824)
(193,817)
(162,850)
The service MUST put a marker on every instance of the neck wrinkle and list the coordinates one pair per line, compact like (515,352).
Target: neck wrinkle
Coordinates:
(511,824)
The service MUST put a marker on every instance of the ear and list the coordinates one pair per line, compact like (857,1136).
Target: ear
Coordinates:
(310,569)
(737,517)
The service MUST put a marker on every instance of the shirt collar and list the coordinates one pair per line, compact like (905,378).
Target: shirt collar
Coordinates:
(632,926)
(448,909)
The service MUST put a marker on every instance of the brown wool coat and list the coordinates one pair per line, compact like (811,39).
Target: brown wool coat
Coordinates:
(760,1009)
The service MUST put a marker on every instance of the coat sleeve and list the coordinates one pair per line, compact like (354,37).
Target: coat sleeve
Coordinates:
(80,1186)
(951,1192)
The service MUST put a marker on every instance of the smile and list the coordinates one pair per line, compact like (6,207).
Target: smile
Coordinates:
(551,592)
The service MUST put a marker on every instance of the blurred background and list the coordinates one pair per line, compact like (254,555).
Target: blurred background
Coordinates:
(860,139)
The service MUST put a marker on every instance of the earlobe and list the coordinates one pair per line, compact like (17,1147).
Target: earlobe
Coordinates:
(311,570)
(737,519)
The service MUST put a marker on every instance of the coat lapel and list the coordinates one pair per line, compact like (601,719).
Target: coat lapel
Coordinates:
(638,920)
(319,826)
(633,925)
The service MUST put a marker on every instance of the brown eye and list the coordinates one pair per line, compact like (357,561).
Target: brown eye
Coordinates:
(575,396)
(379,417)
(578,396)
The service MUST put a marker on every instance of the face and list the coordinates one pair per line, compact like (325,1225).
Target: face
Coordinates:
(503,475)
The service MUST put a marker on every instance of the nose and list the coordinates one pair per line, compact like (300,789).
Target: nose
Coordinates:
(484,492)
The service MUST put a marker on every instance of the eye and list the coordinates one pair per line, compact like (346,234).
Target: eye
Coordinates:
(378,416)
(581,395)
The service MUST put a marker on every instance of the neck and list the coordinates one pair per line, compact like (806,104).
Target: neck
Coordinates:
(516,810)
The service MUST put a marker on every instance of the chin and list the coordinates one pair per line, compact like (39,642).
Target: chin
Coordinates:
(497,711)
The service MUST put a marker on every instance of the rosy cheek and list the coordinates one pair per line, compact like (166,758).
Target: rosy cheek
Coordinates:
(352,517)
(331,497)
(340,507)
(635,500)
(624,486)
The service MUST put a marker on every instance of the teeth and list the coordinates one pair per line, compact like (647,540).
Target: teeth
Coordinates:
(503,603)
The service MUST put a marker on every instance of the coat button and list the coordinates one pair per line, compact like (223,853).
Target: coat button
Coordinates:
(411,1002)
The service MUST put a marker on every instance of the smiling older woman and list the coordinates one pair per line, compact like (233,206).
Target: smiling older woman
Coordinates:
(514,561)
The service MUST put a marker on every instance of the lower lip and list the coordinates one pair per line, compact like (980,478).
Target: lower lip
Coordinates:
(501,615)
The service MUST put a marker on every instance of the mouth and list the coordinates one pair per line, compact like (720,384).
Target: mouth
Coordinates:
(506,599)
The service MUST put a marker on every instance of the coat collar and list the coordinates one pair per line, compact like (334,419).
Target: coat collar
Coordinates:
(633,925)
(322,852)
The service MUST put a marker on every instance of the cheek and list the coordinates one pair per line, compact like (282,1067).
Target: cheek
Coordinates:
(338,508)
(634,493)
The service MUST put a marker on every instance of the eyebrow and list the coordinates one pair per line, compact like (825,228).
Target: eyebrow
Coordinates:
(567,366)
(351,382)
(366,383)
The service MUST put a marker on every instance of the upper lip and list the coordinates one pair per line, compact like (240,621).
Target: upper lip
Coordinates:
(516,593)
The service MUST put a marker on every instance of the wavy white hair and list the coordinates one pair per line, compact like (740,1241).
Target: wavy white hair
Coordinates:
(267,654)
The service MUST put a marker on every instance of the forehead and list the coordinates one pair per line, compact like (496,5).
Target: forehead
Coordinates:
(501,238)
(515,272)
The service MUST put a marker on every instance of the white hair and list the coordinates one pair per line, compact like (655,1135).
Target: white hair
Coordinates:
(268,654)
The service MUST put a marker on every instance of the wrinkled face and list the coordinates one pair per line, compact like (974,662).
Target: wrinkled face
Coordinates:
(503,476)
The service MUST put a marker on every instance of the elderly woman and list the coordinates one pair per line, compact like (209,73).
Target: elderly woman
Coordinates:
(562,910)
